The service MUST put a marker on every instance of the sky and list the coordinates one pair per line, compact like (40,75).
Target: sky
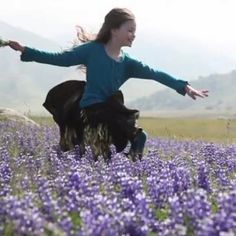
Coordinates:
(208,21)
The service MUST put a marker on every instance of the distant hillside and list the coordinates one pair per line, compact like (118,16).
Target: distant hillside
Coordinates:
(178,56)
(25,85)
(222,96)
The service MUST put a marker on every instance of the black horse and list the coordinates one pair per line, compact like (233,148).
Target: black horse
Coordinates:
(112,123)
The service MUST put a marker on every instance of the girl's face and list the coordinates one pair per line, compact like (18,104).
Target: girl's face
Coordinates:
(125,34)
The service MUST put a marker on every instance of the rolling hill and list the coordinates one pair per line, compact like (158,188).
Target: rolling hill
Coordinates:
(222,96)
(24,85)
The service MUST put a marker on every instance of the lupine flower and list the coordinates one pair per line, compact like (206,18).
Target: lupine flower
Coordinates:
(179,188)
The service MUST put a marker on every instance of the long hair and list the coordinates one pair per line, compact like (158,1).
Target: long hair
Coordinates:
(113,20)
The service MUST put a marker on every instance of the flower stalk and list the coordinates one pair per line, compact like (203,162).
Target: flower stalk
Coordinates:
(3,43)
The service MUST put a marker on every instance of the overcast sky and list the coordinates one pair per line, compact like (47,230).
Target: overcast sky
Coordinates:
(208,21)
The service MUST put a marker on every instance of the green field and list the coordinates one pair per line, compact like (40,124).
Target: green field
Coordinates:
(207,129)
(215,130)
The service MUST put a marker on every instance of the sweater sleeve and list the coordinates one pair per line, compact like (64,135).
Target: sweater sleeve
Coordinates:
(137,69)
(76,56)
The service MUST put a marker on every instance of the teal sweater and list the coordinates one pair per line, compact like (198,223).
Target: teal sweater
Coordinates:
(104,75)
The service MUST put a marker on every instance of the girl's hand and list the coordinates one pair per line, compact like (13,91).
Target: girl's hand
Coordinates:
(193,93)
(16,46)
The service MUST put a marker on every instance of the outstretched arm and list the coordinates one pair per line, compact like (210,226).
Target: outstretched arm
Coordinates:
(137,69)
(76,56)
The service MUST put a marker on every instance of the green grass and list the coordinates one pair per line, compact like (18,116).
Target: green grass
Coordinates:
(215,130)
(206,129)
(48,120)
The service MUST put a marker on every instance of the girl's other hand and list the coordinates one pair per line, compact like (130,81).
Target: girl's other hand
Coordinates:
(16,46)
(193,93)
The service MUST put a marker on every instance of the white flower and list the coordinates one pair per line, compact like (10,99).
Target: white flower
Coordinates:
(3,43)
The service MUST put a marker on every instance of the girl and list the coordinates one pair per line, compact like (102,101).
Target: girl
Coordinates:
(107,68)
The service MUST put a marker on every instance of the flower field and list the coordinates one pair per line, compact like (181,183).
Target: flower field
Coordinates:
(179,188)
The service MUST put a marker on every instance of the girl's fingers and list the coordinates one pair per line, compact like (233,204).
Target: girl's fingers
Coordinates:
(205,92)
(195,93)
